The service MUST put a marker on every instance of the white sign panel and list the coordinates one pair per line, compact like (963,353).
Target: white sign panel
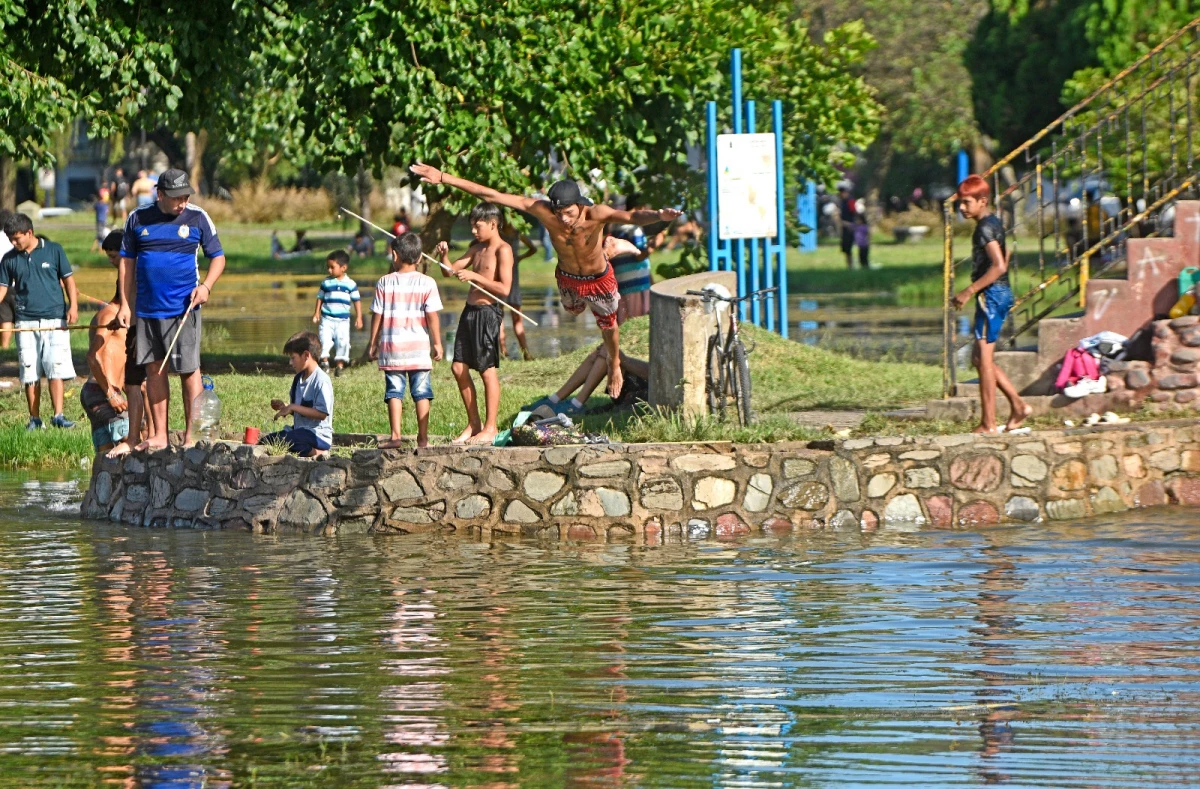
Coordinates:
(746,198)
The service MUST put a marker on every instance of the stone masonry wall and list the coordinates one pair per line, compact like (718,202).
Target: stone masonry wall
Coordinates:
(652,492)
(1169,383)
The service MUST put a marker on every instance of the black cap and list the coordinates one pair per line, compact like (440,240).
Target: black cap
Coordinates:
(174,183)
(565,193)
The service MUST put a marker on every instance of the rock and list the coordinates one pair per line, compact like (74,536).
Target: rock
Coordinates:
(843,520)
(160,491)
(452,480)
(1152,494)
(219,507)
(1186,395)
(921,454)
(797,467)
(611,468)
(1066,510)
(1191,460)
(192,500)
(102,487)
(1137,379)
(981,472)
(134,465)
(1183,322)
(712,492)
(697,529)
(1022,508)
(844,477)
(568,506)
(419,515)
(889,441)
(1107,500)
(286,472)
(541,485)
(1190,336)
(620,532)
(175,469)
(1177,381)
(117,511)
(869,521)
(468,464)
(903,509)
(474,506)
(561,456)
(1104,468)
(1028,470)
(941,511)
(1067,448)
(1135,467)
(880,484)
(578,532)
(1160,397)
(244,479)
(730,527)
(1165,460)
(756,459)
(977,513)
(614,502)
(875,461)
(258,505)
(922,477)
(519,512)
(500,480)
(1185,490)
(780,526)
(1186,357)
(301,510)
(954,441)
(693,464)
(354,525)
(357,499)
(326,478)
(858,443)
(401,485)
(1070,475)
(137,494)
(662,494)
(652,532)
(758,493)
(197,454)
(804,496)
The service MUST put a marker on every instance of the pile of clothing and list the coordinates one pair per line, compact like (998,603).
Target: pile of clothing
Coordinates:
(1084,366)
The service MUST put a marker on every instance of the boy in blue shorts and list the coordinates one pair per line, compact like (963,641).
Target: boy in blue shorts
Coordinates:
(989,283)
(311,406)
(337,294)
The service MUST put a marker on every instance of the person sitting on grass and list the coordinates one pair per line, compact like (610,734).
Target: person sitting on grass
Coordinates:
(311,406)
(406,335)
(590,374)
(989,282)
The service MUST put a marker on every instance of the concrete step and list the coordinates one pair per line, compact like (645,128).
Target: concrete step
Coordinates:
(966,409)
(1023,368)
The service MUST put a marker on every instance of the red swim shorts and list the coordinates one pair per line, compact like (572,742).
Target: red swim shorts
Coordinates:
(598,292)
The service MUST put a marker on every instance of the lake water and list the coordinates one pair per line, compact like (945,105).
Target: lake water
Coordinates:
(1065,655)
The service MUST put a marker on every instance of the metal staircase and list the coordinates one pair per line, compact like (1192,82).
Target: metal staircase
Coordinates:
(1098,215)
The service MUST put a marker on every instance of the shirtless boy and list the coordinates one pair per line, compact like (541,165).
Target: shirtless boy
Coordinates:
(488,264)
(576,228)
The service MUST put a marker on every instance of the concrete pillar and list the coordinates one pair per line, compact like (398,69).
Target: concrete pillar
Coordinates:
(679,332)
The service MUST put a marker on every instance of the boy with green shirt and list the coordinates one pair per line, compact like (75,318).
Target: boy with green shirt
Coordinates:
(38,273)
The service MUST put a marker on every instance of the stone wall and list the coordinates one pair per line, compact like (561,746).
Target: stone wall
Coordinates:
(651,492)
(1169,383)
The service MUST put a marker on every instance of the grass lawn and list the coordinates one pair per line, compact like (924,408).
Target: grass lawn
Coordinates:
(786,376)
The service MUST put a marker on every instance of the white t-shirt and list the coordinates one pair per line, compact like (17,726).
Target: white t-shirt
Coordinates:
(316,391)
(5,244)
(405,301)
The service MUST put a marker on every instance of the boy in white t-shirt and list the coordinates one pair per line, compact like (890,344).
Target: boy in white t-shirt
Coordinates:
(406,335)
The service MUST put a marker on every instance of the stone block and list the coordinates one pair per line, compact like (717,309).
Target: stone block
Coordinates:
(326,477)
(356,525)
(921,454)
(541,485)
(941,511)
(260,504)
(474,506)
(1185,490)
(358,499)
(712,492)
(758,493)
(858,443)
(698,529)
(1066,509)
(868,521)
(1187,395)
(619,532)
(652,532)
(1151,494)
(500,480)
(1070,475)
(160,492)
(1103,468)
(978,472)
(1107,500)
(301,510)
(756,459)
(137,494)
(418,515)
(468,464)
(219,507)
(568,506)
(662,494)
(844,477)
(1165,460)
(694,464)
(578,532)
(978,513)
(808,496)
(245,479)
(954,441)
(1177,381)
(903,510)
(781,526)
(1183,322)
(1022,508)
(452,480)
(1186,357)
(873,462)
(1190,461)
(1190,336)
(135,465)
(880,484)
(1027,470)
(843,520)
(519,512)
(922,477)
(401,485)
(889,441)
(286,472)
(561,456)
(1067,448)
(1134,466)
(614,502)
(606,470)
(1137,379)
(731,527)
(102,485)
(191,500)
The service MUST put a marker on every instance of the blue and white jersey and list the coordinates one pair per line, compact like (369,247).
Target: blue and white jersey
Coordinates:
(165,247)
(336,296)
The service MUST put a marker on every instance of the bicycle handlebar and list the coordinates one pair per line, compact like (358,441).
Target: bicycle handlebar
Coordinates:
(708,295)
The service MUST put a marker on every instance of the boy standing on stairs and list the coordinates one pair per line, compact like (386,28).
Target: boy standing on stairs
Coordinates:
(989,284)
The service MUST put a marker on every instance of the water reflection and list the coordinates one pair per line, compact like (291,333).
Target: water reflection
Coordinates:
(1032,655)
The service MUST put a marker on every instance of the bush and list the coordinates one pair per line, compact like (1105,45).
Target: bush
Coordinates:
(255,203)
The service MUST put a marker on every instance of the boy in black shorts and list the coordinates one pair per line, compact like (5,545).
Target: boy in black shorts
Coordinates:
(488,264)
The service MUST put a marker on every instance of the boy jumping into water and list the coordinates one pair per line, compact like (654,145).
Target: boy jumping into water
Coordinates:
(989,281)
(576,228)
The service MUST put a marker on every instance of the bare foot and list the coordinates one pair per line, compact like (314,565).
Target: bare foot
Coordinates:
(422,442)
(464,436)
(391,443)
(985,430)
(122,448)
(151,444)
(615,379)
(483,437)
(528,356)
(1017,418)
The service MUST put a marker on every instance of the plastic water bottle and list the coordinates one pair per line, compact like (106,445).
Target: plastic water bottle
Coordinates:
(206,413)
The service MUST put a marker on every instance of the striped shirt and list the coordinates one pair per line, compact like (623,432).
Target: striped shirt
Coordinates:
(633,275)
(336,296)
(164,246)
(404,300)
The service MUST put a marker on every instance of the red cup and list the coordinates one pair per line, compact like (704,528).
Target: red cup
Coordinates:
(252,435)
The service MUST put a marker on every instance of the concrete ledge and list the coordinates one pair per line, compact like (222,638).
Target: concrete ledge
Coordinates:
(648,493)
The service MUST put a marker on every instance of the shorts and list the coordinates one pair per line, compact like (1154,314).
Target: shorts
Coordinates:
(135,374)
(44,354)
(112,433)
(477,341)
(335,338)
(598,292)
(514,293)
(298,440)
(419,382)
(992,306)
(155,334)
(847,238)
(8,308)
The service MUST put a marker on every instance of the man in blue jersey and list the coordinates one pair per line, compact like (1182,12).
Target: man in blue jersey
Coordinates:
(160,278)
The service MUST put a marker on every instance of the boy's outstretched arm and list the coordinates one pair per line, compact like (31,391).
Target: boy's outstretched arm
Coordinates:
(641,217)
(431,175)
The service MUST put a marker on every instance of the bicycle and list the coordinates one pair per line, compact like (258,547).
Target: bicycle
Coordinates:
(727,373)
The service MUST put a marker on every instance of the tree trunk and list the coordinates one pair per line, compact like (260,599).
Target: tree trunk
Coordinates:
(364,183)
(195,145)
(438,223)
(8,183)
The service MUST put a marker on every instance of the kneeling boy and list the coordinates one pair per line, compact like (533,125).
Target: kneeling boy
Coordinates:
(311,406)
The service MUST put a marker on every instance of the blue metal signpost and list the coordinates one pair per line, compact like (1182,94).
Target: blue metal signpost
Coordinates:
(806,212)
(767,263)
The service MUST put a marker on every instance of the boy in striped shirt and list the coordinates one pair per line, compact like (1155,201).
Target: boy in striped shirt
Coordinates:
(406,335)
(334,299)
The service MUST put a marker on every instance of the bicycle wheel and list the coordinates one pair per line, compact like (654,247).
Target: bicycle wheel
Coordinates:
(713,383)
(739,380)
